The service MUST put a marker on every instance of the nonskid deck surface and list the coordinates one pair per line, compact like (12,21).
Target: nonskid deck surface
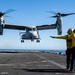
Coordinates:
(36,63)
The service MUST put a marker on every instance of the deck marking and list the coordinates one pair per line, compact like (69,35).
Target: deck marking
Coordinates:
(55,63)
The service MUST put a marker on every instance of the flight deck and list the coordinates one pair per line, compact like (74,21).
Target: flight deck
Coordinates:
(33,63)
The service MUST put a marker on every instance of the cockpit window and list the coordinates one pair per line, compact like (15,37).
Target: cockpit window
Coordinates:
(28,29)
(31,29)
(34,29)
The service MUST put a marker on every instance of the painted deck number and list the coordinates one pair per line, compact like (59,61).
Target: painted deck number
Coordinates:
(3,73)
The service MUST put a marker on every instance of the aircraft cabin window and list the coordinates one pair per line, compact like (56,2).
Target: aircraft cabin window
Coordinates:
(34,29)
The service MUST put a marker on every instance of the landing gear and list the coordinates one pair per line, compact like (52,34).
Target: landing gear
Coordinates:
(22,41)
(38,40)
(32,39)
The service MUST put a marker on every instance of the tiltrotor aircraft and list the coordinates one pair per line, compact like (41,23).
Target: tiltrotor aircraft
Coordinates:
(31,32)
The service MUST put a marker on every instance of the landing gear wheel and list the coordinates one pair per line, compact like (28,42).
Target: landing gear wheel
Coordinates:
(32,39)
(22,41)
(38,41)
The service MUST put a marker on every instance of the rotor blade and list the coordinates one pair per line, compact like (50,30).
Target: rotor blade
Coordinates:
(63,15)
(54,16)
(9,11)
(53,12)
(67,14)
(6,16)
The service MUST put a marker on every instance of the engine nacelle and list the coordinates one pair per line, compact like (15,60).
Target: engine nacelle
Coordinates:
(59,29)
(1,29)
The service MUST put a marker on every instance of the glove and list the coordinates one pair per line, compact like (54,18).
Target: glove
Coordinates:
(52,36)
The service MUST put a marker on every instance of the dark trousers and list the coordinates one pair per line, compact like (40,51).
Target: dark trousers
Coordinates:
(68,57)
(73,58)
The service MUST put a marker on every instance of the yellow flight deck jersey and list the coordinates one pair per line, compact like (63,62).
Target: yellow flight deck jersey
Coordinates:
(68,40)
(73,39)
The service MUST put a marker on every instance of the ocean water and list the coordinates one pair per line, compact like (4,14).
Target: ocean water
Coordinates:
(33,50)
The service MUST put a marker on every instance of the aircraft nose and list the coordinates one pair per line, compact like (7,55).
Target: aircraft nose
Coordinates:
(23,36)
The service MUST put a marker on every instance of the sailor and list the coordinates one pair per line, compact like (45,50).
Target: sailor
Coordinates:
(68,45)
(73,51)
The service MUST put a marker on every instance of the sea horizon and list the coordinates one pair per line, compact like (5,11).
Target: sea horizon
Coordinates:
(33,50)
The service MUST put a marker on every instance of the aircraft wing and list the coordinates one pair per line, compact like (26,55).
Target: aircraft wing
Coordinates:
(46,27)
(20,27)
(52,26)
(15,27)
(41,27)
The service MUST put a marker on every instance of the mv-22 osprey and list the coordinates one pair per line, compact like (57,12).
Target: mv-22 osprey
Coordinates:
(31,32)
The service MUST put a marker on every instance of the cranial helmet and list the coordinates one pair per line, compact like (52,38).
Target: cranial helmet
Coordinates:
(70,30)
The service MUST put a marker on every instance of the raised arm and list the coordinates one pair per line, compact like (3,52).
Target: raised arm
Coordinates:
(59,37)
